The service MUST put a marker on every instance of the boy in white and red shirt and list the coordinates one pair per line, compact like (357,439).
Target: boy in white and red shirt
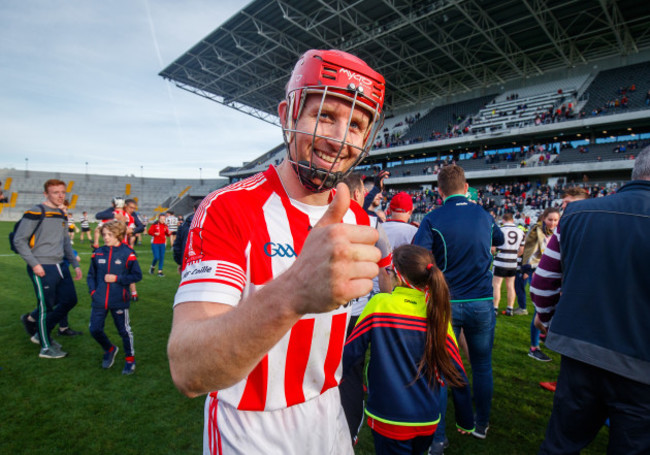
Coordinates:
(260,315)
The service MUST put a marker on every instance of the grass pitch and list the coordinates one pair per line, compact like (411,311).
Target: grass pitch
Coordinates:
(73,406)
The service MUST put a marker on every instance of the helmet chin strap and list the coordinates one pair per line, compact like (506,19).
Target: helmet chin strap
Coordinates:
(307,173)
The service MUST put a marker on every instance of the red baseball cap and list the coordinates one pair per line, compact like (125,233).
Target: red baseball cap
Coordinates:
(401,202)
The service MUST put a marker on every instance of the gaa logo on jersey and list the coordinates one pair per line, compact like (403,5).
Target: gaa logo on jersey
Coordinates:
(277,249)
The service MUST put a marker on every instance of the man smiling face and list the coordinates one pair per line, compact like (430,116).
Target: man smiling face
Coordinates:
(329,137)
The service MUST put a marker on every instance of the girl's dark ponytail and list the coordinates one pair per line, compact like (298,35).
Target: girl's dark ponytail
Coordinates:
(417,265)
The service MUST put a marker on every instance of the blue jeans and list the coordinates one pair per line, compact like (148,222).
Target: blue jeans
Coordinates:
(158,250)
(534,332)
(520,290)
(477,320)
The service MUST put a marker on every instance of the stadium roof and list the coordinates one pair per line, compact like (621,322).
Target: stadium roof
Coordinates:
(425,49)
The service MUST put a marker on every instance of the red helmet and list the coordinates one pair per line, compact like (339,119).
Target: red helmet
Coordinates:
(332,73)
(342,72)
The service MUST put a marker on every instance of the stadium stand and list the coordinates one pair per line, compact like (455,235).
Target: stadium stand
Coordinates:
(94,192)
(273,156)
(443,120)
(522,107)
(606,93)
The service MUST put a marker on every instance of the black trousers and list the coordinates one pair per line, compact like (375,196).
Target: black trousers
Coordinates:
(352,393)
(55,296)
(585,397)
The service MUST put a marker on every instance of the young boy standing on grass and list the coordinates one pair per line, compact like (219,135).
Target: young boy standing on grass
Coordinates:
(113,268)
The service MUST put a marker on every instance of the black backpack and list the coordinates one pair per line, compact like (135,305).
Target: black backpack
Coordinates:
(31,237)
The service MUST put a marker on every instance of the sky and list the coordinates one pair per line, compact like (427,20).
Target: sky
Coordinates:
(79,84)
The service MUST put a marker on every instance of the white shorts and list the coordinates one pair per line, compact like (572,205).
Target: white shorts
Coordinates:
(315,427)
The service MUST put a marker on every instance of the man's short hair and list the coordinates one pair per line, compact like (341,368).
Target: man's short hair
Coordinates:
(354,181)
(130,201)
(115,227)
(52,182)
(507,216)
(575,192)
(641,170)
(451,180)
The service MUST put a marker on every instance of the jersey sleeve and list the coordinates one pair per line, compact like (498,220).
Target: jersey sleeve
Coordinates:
(359,339)
(91,277)
(215,261)
(27,225)
(384,246)
(546,285)
(132,272)
(424,235)
(498,239)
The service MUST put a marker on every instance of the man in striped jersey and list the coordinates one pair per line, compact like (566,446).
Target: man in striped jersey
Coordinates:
(260,315)
(505,262)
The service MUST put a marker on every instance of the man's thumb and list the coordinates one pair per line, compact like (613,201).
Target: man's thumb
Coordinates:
(337,208)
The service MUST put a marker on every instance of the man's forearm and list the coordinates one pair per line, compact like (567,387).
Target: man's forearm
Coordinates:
(214,346)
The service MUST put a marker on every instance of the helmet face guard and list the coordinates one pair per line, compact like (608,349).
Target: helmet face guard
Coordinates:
(331,74)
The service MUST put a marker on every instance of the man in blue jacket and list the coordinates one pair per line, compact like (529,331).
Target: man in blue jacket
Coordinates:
(461,234)
(599,321)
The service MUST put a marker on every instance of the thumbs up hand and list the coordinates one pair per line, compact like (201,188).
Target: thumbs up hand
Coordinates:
(337,263)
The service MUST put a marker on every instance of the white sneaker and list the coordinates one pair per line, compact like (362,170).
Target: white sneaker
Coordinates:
(52,353)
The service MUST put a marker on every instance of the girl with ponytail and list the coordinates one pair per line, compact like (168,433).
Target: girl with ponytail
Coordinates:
(413,351)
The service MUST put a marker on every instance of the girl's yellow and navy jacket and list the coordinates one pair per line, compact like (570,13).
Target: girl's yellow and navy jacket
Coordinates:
(395,326)
(117,260)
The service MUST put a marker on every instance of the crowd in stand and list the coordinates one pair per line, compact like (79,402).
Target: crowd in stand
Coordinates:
(536,155)
(525,199)
(551,115)
(620,101)
(460,124)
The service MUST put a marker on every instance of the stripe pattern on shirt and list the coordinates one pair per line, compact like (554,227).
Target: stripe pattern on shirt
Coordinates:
(546,285)
(231,253)
(506,256)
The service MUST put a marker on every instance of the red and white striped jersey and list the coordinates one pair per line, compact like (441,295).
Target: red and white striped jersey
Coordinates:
(241,237)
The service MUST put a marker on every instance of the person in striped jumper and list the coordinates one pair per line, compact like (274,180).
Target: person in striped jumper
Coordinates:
(85,227)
